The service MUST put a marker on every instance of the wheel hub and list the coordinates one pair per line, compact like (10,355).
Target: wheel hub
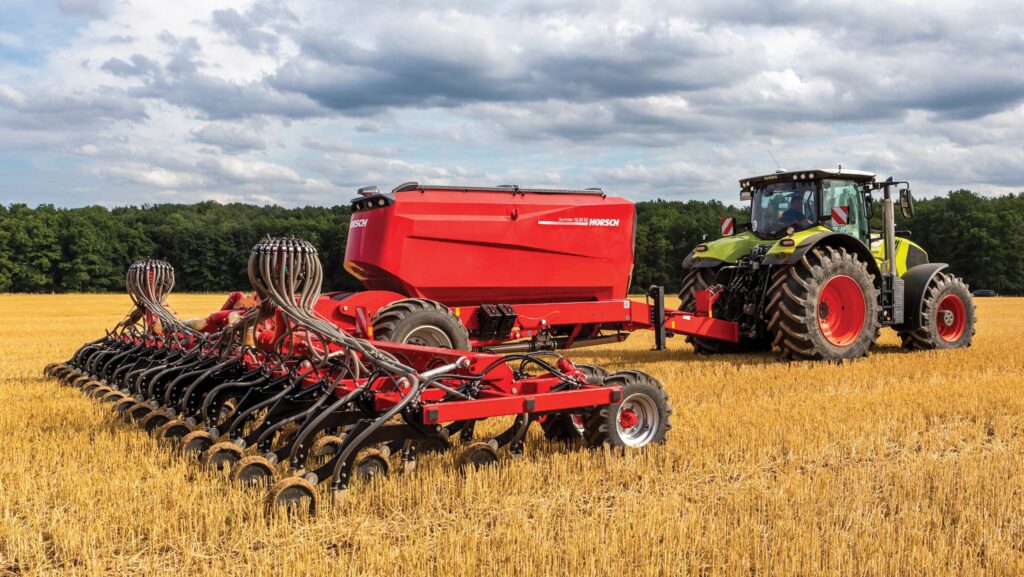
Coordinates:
(951,318)
(628,419)
(428,336)
(842,310)
(637,420)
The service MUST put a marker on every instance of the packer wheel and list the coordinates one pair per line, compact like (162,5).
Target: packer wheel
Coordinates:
(478,455)
(254,470)
(154,420)
(138,411)
(173,430)
(96,393)
(222,456)
(196,443)
(112,397)
(325,446)
(370,463)
(293,494)
(124,404)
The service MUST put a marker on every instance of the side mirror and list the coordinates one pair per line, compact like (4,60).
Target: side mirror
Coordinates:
(906,203)
(869,206)
(745,195)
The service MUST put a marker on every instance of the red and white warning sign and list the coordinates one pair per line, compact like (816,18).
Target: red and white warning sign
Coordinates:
(840,215)
(728,226)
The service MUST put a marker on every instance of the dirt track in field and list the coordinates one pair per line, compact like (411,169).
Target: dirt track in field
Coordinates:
(899,464)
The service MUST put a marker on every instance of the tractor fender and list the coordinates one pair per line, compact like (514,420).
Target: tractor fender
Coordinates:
(690,262)
(829,238)
(915,283)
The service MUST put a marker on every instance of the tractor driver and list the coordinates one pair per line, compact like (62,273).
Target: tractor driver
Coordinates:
(794,215)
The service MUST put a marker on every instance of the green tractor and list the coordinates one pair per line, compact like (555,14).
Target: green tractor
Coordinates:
(809,277)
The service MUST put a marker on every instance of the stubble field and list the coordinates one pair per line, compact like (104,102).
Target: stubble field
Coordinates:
(899,464)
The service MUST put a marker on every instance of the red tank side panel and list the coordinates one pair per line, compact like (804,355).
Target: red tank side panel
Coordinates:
(471,247)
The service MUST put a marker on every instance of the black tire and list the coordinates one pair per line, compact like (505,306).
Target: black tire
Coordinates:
(795,303)
(569,427)
(420,322)
(934,317)
(699,279)
(638,389)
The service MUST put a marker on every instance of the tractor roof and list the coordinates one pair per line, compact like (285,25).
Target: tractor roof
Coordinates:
(781,176)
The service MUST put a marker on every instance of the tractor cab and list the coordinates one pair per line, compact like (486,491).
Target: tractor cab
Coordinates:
(787,202)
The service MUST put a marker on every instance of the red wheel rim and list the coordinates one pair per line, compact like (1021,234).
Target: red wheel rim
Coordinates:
(841,310)
(951,318)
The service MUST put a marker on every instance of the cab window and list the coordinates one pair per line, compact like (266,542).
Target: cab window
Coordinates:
(835,193)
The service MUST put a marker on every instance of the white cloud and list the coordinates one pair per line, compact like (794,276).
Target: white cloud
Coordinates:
(266,101)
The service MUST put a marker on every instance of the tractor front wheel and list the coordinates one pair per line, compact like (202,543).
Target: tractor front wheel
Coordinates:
(824,307)
(947,316)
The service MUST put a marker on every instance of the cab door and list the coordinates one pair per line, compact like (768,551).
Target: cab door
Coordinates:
(842,208)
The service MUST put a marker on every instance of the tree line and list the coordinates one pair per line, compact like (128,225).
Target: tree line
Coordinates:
(48,249)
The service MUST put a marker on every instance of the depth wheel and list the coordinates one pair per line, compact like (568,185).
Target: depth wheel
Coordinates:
(696,280)
(293,494)
(478,455)
(947,316)
(173,430)
(639,419)
(222,456)
(154,420)
(253,471)
(370,463)
(196,443)
(824,307)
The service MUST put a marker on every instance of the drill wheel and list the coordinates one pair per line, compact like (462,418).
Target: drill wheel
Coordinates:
(293,494)
(80,381)
(96,393)
(172,431)
(325,446)
(196,443)
(138,411)
(48,369)
(154,420)
(222,456)
(253,471)
(89,386)
(124,404)
(113,397)
(478,455)
(370,463)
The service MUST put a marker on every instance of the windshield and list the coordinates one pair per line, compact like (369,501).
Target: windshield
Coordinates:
(781,205)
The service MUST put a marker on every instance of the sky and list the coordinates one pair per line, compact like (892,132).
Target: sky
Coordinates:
(118,102)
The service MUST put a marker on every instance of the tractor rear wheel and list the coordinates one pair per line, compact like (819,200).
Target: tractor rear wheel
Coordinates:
(824,307)
(695,281)
(947,316)
(421,322)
